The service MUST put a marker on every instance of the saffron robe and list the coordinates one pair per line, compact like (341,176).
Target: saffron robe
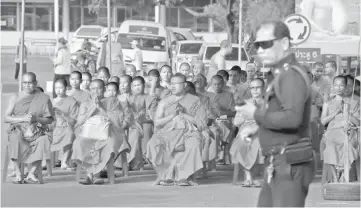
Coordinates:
(28,142)
(178,134)
(94,154)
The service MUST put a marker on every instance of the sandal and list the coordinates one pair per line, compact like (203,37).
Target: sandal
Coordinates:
(18,180)
(86,181)
(103,174)
(98,181)
(183,183)
(32,181)
(246,183)
(256,184)
(166,183)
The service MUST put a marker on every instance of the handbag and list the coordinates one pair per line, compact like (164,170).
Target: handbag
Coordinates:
(97,128)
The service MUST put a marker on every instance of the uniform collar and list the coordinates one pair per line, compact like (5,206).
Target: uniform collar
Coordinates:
(284,63)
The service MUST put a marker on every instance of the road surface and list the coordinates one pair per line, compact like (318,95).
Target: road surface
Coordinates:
(136,190)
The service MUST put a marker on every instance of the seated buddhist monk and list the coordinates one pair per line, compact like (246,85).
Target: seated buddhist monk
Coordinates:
(143,107)
(27,112)
(247,151)
(79,95)
(154,89)
(242,92)
(130,70)
(112,90)
(86,79)
(320,82)
(123,98)
(99,133)
(66,112)
(103,74)
(212,132)
(175,148)
(185,69)
(165,75)
(115,79)
(224,74)
(226,102)
(199,68)
(234,78)
(341,114)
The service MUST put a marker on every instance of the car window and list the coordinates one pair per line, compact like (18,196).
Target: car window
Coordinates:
(190,48)
(146,42)
(233,56)
(179,36)
(89,31)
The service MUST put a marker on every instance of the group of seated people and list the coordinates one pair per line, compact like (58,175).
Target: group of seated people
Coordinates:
(182,125)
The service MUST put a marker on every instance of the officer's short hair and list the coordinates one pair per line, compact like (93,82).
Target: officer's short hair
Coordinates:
(280,29)
(333,64)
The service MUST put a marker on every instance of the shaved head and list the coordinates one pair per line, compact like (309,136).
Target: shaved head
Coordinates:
(105,70)
(30,75)
(180,76)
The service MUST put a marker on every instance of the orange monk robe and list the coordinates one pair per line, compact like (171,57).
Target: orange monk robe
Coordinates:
(79,95)
(30,146)
(243,152)
(93,155)
(242,92)
(178,134)
(142,106)
(323,86)
(63,132)
(211,133)
(226,103)
(148,127)
(335,135)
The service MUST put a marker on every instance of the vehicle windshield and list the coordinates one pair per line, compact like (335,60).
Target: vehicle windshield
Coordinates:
(89,32)
(233,56)
(146,42)
(190,48)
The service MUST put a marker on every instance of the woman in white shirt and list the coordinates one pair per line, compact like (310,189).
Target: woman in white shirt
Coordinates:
(62,63)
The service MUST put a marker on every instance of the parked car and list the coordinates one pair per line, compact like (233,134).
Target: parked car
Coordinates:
(186,51)
(90,32)
(182,33)
(209,49)
(153,38)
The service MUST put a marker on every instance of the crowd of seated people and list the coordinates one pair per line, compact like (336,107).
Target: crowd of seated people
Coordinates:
(182,124)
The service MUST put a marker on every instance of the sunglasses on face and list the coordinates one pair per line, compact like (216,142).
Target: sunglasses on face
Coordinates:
(264,44)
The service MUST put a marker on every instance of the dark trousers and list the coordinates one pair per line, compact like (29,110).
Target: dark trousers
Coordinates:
(17,69)
(59,76)
(289,186)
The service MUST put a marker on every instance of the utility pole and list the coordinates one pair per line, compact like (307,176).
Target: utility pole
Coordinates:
(22,45)
(240,32)
(109,36)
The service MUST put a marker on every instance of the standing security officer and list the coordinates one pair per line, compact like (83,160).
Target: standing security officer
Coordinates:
(283,121)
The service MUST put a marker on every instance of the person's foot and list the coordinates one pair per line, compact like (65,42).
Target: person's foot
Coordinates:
(86,181)
(57,163)
(103,174)
(167,183)
(221,162)
(156,182)
(192,183)
(256,184)
(183,183)
(31,179)
(98,181)
(246,183)
(18,180)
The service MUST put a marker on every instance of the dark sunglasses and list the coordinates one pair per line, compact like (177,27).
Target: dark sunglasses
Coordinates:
(264,44)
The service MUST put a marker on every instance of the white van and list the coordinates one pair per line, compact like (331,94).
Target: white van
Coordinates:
(153,39)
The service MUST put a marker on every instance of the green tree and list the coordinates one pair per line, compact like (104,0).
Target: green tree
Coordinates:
(225,13)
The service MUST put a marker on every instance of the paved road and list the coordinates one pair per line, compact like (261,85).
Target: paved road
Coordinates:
(61,189)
